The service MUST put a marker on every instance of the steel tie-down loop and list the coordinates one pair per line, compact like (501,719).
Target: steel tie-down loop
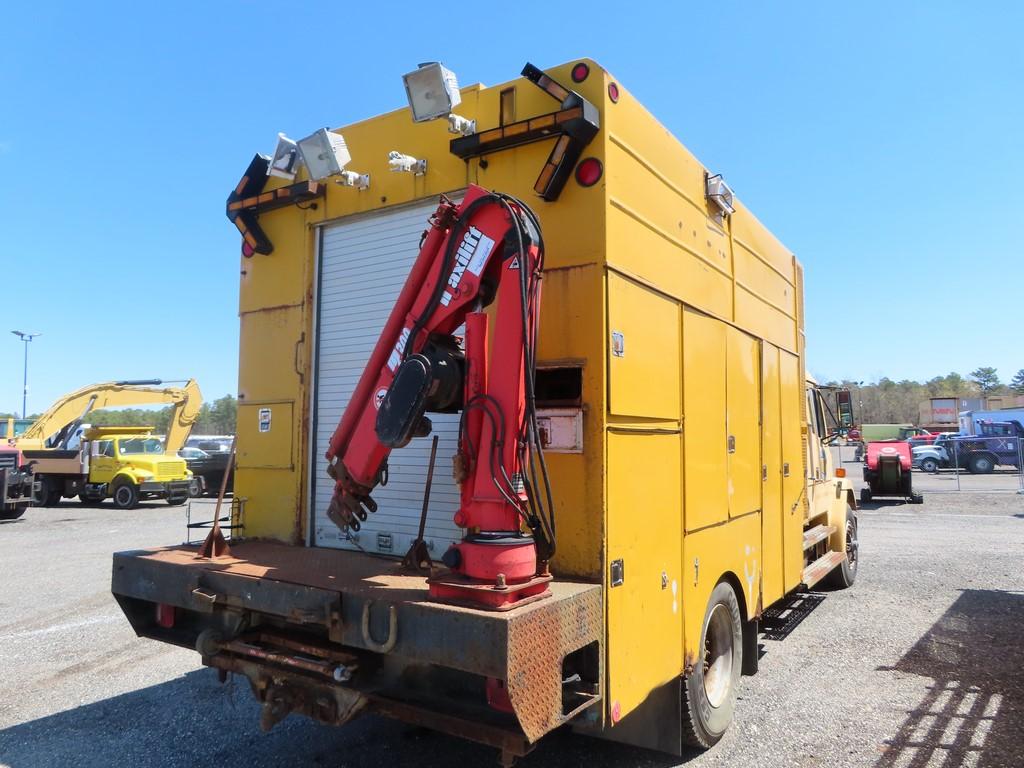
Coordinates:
(392,638)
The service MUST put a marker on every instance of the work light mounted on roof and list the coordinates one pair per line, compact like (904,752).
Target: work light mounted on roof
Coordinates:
(719,194)
(406,163)
(286,159)
(325,155)
(433,92)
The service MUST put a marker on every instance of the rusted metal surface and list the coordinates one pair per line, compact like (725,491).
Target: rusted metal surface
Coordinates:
(282,692)
(215,544)
(538,641)
(367,605)
(417,559)
(504,739)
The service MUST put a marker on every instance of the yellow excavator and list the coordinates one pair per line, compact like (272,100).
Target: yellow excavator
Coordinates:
(125,464)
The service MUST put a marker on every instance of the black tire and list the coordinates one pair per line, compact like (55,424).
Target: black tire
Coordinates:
(125,495)
(865,495)
(843,576)
(13,514)
(930,464)
(980,464)
(195,486)
(710,689)
(177,499)
(47,494)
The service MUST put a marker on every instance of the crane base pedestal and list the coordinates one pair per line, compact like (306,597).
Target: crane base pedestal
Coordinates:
(450,587)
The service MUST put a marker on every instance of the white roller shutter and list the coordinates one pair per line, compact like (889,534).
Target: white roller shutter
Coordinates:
(364,263)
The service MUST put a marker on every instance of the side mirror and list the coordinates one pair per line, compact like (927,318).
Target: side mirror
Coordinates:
(844,408)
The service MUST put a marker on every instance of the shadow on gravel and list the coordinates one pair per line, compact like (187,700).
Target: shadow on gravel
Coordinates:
(193,721)
(973,714)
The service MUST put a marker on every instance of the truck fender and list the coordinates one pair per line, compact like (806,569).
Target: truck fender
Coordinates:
(845,499)
(119,478)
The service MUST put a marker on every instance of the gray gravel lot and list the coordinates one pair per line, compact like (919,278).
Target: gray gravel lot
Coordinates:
(920,664)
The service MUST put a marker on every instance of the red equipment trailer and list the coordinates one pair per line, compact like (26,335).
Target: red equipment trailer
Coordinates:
(887,472)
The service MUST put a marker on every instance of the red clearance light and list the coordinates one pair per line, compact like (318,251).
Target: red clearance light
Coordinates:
(247,250)
(589,172)
(165,615)
(580,72)
(613,93)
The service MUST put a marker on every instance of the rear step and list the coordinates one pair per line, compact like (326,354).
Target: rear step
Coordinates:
(822,567)
(818,533)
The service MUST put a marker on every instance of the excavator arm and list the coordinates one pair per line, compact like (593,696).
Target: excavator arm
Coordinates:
(486,249)
(58,424)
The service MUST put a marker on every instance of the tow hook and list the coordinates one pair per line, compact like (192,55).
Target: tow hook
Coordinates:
(392,638)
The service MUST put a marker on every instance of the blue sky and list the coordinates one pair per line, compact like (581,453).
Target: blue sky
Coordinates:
(880,141)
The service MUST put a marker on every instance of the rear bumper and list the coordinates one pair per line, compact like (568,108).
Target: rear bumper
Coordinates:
(417,660)
(16,486)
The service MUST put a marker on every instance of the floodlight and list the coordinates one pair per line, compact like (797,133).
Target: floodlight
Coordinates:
(286,160)
(432,90)
(406,163)
(353,179)
(719,193)
(324,153)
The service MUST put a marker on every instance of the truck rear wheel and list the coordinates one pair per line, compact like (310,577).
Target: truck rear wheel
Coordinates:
(711,688)
(46,494)
(126,495)
(981,464)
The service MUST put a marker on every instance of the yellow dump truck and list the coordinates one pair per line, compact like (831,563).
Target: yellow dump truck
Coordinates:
(687,451)
(125,464)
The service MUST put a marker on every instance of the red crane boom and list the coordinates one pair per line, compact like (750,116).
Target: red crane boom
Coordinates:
(486,249)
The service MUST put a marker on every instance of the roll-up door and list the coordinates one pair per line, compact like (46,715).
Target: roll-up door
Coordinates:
(364,262)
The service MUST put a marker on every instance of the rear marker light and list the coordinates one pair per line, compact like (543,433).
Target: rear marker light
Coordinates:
(165,615)
(589,172)
(580,72)
(613,93)
(247,250)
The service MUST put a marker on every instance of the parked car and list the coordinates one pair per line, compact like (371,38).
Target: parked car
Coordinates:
(208,470)
(931,458)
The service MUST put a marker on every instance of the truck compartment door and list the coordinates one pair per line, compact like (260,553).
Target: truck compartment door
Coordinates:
(794,500)
(772,539)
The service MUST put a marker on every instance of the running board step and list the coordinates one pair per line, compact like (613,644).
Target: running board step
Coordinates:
(822,567)
(818,533)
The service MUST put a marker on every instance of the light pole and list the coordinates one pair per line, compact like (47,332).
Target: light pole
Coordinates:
(25,337)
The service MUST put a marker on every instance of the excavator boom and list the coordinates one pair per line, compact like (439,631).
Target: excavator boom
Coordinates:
(58,422)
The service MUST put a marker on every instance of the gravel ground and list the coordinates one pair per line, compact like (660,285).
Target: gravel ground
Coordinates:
(920,664)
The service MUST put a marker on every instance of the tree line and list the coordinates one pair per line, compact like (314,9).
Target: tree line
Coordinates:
(881,402)
(897,402)
(216,418)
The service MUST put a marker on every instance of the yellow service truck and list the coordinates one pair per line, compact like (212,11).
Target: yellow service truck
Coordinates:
(687,451)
